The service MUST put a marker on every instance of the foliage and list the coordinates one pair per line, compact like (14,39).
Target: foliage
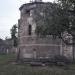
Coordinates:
(56,18)
(63,59)
(68,7)
(14,32)
(49,22)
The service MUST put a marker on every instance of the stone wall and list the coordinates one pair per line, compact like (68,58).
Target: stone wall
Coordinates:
(43,47)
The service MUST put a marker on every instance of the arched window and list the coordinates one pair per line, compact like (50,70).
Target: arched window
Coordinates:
(29,29)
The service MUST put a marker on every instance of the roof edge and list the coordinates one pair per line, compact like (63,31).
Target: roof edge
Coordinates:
(31,4)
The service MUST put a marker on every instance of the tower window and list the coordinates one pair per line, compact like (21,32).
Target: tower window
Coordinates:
(28,12)
(29,29)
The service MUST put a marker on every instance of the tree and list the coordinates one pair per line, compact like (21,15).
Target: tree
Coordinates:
(68,6)
(49,22)
(56,18)
(14,37)
(14,32)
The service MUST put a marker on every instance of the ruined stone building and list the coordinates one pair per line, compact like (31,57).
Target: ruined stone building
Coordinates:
(32,46)
(6,46)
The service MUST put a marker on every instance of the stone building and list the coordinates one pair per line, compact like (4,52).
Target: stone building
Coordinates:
(6,46)
(32,46)
(3,47)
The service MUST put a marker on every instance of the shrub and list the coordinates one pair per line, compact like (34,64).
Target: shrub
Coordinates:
(61,60)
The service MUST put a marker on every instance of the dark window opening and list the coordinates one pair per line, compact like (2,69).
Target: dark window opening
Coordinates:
(28,11)
(29,29)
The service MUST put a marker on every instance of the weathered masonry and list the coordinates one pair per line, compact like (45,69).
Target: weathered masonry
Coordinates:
(30,45)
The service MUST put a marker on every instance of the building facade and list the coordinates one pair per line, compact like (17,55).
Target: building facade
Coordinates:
(32,46)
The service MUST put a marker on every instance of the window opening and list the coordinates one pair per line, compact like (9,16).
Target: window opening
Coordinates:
(29,29)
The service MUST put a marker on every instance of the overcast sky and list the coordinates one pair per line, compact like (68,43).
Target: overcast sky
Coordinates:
(9,15)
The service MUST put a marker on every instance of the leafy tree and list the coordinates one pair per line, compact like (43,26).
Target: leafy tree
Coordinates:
(14,37)
(49,22)
(57,18)
(14,31)
(68,7)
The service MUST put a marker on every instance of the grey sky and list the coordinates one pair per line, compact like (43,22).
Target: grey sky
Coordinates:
(9,15)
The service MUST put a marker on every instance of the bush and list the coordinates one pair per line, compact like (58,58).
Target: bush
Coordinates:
(61,60)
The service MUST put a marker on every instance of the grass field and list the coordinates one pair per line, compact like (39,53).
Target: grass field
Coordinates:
(8,68)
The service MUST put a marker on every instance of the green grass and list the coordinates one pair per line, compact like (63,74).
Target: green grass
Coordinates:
(7,68)
(6,58)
